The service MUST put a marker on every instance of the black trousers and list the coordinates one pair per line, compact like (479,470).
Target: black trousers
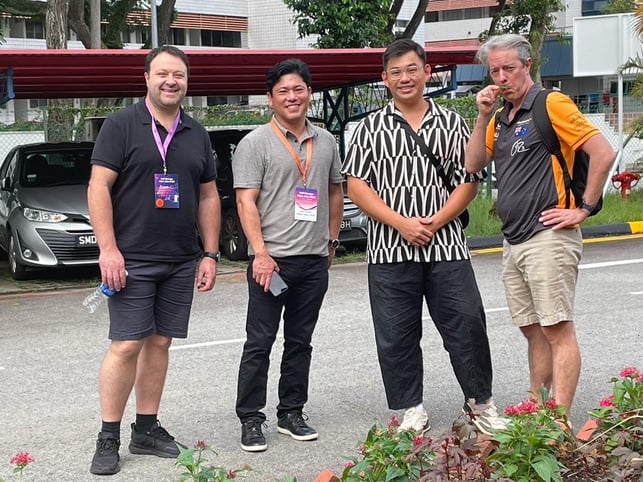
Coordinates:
(397,291)
(307,280)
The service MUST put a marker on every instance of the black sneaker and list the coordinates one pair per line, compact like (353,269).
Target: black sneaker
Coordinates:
(155,442)
(252,439)
(294,424)
(106,460)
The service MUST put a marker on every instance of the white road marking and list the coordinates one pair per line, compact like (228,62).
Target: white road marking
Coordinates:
(208,343)
(610,263)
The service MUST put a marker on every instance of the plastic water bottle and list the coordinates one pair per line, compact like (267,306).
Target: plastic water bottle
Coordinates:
(97,297)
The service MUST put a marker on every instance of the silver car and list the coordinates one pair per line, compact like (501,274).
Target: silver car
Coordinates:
(44,219)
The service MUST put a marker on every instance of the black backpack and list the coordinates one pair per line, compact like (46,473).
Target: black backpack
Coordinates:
(577,182)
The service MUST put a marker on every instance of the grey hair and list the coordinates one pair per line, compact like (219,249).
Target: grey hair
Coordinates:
(510,41)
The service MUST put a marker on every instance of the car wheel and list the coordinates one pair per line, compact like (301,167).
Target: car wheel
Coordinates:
(18,271)
(235,243)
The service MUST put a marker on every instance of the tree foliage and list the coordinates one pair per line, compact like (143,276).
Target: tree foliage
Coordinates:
(532,18)
(352,23)
(619,6)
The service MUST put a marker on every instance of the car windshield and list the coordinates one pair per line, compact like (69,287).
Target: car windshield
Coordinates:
(56,168)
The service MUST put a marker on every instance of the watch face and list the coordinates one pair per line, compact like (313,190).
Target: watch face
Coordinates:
(334,243)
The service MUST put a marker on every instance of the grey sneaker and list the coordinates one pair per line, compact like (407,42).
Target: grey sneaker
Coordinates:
(106,460)
(485,416)
(416,420)
(155,442)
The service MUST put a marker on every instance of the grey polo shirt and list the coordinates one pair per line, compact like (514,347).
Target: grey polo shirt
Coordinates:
(261,161)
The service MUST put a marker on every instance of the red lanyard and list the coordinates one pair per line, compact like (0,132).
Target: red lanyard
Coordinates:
(309,150)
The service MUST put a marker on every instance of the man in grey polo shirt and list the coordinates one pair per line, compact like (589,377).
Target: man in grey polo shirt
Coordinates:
(290,202)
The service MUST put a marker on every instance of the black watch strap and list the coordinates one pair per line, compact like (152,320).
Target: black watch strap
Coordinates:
(214,255)
(588,207)
(333,243)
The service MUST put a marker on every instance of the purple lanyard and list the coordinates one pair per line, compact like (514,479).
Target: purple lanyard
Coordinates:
(162,146)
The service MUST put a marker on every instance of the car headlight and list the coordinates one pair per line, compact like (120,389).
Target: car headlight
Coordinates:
(38,215)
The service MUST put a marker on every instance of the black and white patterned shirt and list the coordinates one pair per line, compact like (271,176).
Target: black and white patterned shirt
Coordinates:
(382,154)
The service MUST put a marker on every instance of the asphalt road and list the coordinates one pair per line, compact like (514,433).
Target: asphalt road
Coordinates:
(50,353)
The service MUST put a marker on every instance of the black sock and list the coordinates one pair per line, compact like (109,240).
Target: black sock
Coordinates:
(112,427)
(144,423)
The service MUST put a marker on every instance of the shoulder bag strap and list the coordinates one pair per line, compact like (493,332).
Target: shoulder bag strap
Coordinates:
(546,132)
(414,136)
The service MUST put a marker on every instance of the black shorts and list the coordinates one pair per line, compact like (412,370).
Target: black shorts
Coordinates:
(156,300)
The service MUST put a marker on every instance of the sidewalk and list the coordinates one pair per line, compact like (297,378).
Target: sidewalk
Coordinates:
(9,287)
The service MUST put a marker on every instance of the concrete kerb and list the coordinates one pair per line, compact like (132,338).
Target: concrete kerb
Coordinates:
(10,287)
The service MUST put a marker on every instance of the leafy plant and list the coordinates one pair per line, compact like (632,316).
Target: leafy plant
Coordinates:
(529,445)
(619,433)
(197,469)
(389,455)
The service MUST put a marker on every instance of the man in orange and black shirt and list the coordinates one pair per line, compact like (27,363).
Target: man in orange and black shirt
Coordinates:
(543,242)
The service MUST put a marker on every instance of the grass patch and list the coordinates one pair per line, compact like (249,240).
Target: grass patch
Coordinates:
(485,222)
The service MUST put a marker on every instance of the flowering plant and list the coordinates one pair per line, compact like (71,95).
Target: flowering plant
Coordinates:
(196,468)
(389,455)
(619,431)
(21,460)
(529,445)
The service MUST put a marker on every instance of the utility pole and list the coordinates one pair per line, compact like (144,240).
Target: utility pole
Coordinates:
(154,25)
(94,24)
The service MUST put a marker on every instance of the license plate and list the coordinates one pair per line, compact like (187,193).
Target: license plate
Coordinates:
(346,225)
(84,240)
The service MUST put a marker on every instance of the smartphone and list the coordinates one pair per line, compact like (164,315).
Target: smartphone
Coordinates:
(277,284)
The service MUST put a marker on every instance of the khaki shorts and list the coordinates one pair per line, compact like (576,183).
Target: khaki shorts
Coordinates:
(540,277)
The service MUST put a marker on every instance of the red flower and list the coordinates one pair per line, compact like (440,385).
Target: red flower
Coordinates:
(418,440)
(231,474)
(511,410)
(527,406)
(349,464)
(22,459)
(629,372)
(394,422)
(607,402)
(551,404)
(200,444)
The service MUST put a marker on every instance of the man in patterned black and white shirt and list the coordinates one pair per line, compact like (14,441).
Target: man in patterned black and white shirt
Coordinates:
(416,244)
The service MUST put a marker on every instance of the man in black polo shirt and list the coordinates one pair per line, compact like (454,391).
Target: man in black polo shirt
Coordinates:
(152,182)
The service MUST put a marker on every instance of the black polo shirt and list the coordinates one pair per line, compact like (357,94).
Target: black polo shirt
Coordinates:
(126,145)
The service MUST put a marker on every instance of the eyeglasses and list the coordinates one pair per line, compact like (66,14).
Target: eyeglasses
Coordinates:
(396,73)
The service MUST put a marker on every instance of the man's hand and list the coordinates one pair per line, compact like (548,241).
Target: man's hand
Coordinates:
(563,218)
(486,99)
(416,231)
(262,268)
(206,275)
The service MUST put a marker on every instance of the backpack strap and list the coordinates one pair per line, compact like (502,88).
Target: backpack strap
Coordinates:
(545,130)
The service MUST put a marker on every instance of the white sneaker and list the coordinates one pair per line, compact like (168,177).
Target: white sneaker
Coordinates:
(485,416)
(416,420)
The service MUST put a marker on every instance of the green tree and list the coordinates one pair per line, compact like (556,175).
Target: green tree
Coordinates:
(619,6)
(532,18)
(352,23)
(636,90)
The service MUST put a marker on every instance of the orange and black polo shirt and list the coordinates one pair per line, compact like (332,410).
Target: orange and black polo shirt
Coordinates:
(529,179)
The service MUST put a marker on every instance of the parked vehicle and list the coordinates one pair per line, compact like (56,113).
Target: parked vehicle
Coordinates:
(44,219)
(234,243)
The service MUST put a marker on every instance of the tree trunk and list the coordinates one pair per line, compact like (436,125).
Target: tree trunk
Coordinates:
(59,119)
(416,20)
(166,14)
(77,22)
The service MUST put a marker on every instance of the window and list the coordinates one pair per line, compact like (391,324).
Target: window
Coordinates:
(34,29)
(430,17)
(218,38)
(593,7)
(37,103)
(449,15)
(177,36)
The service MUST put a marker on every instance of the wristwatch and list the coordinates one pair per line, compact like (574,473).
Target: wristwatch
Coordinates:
(586,206)
(215,256)
(333,243)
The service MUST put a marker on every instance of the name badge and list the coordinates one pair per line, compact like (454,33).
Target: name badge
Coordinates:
(166,191)
(306,201)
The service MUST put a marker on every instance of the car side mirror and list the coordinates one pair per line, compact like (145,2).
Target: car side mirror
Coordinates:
(5,184)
